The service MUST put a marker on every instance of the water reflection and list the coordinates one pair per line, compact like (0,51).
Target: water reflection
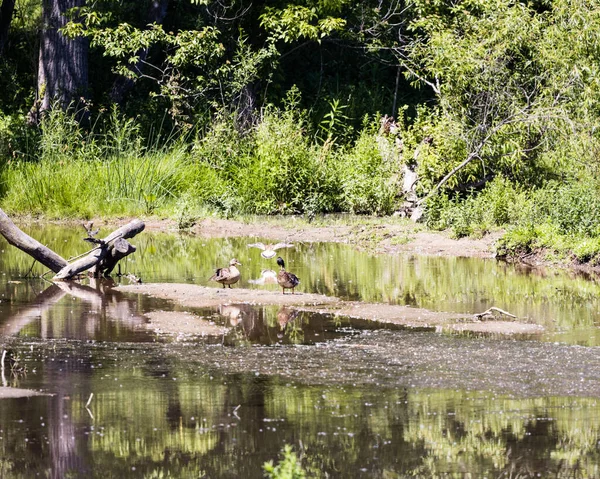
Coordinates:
(73,310)
(281,325)
(177,418)
(353,402)
(97,312)
(567,305)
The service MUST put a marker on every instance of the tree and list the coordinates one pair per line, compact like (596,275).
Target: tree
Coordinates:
(123,84)
(62,63)
(6,14)
(496,109)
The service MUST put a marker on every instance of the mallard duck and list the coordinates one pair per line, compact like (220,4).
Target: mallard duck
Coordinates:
(285,279)
(227,275)
(268,250)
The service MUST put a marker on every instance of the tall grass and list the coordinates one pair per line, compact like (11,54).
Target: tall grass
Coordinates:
(277,168)
(73,173)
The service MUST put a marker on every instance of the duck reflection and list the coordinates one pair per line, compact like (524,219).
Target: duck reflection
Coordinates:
(232,312)
(267,276)
(285,316)
(262,324)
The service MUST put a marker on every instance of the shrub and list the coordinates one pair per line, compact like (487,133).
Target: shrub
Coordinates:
(369,178)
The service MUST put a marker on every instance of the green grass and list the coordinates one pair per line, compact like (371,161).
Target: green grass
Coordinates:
(275,169)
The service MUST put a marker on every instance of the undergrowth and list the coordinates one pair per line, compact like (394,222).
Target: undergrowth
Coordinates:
(559,220)
(278,167)
(273,169)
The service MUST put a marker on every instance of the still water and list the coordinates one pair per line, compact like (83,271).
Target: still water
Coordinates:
(353,400)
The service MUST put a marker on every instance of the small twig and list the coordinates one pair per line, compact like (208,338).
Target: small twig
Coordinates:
(3,377)
(30,269)
(89,400)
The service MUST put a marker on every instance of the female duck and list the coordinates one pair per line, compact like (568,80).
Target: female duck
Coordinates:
(229,275)
(285,279)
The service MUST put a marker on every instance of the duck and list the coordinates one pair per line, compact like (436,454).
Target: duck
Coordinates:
(227,276)
(286,279)
(268,250)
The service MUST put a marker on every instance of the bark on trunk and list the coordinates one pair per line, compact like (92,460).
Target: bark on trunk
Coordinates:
(30,246)
(6,14)
(62,64)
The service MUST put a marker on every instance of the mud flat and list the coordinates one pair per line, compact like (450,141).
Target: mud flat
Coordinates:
(195,296)
(12,393)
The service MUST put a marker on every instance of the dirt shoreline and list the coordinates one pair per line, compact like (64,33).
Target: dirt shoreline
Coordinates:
(195,296)
(393,238)
(382,235)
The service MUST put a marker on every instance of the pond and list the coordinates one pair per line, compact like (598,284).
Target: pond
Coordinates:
(353,398)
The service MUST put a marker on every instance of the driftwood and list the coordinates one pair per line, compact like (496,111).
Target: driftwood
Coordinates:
(102,259)
(30,246)
(105,251)
(491,311)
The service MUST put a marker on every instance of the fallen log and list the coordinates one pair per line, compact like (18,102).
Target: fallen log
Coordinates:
(105,250)
(103,258)
(27,244)
(121,248)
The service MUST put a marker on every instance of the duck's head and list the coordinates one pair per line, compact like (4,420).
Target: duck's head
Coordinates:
(235,262)
(280,262)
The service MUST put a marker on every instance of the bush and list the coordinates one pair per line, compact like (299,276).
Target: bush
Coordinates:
(273,169)
(499,204)
(369,177)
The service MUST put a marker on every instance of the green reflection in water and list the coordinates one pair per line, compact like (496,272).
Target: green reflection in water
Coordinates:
(155,414)
(567,305)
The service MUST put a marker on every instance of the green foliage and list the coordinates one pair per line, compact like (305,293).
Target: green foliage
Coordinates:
(573,207)
(369,178)
(297,21)
(81,173)
(500,119)
(289,467)
(273,170)
(499,204)
(334,125)
(516,242)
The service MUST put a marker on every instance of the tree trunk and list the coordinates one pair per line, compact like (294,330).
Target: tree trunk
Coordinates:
(103,258)
(6,14)
(30,246)
(122,85)
(62,64)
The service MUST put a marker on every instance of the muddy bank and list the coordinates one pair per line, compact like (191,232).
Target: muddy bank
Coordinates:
(194,296)
(383,235)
